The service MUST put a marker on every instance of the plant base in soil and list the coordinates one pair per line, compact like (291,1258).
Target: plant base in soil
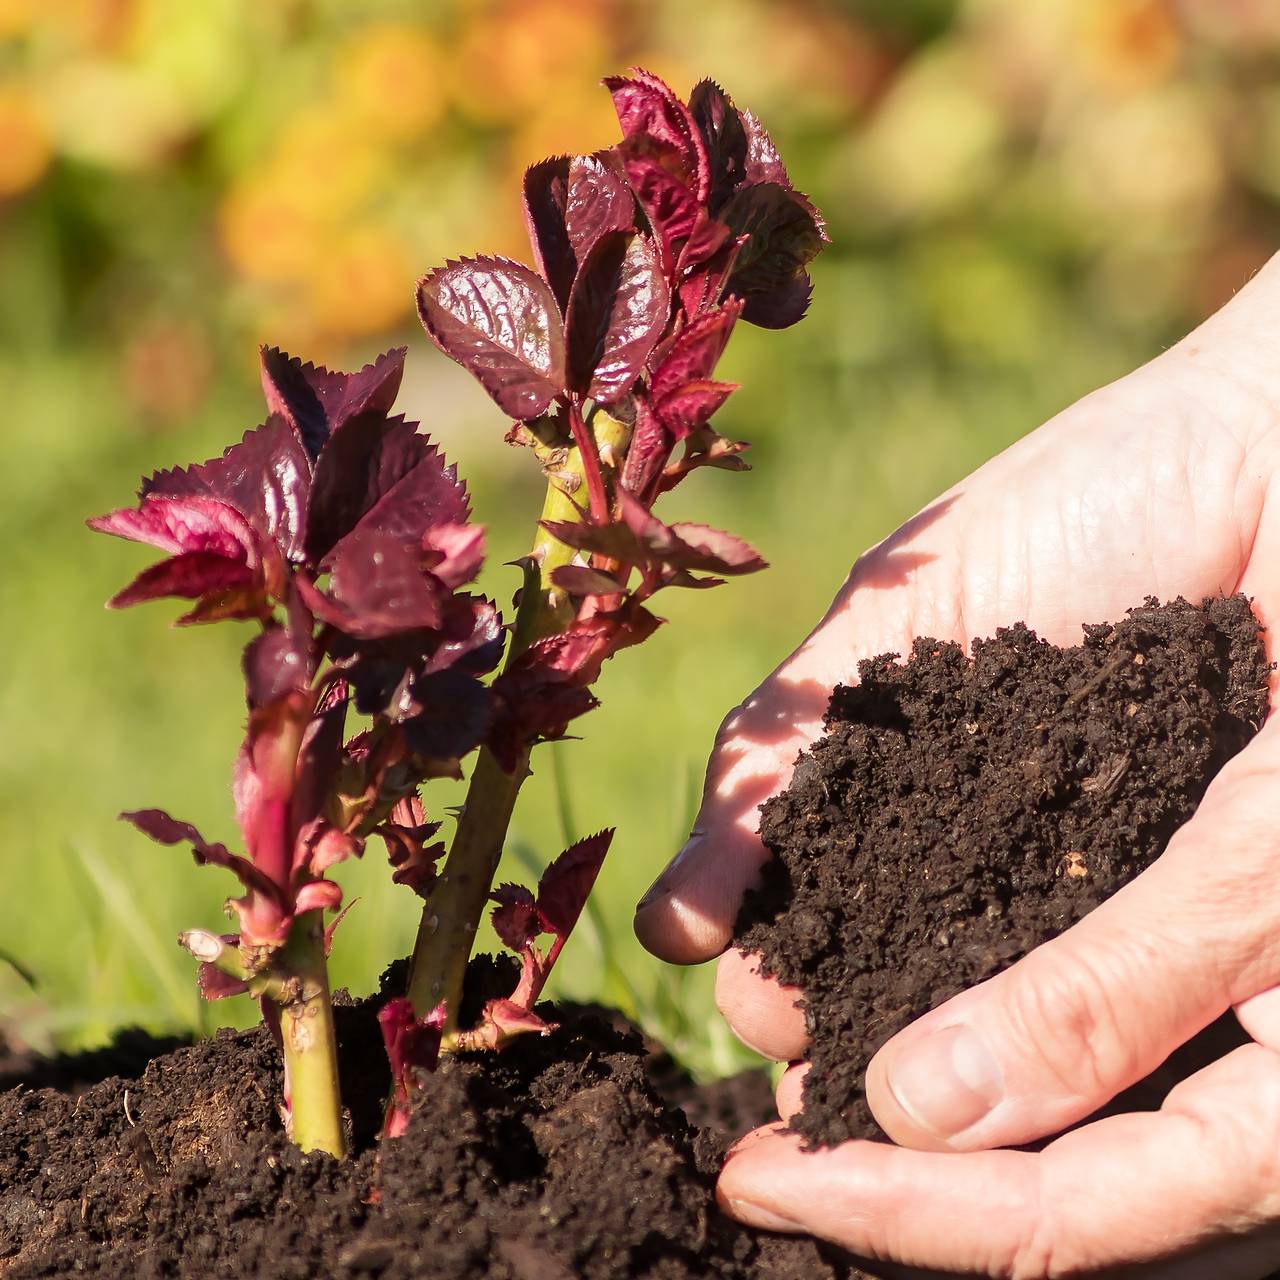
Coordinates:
(554,1160)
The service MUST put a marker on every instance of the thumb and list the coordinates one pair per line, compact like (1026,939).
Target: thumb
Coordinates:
(1084,1016)
(688,914)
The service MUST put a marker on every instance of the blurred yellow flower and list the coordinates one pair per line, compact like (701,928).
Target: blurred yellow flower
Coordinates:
(25,148)
(390,76)
(362,283)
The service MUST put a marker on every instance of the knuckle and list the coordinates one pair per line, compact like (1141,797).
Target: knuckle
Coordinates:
(1064,1020)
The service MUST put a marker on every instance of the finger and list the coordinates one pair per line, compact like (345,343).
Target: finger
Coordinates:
(1142,1188)
(761,1011)
(789,1095)
(1051,1039)
(688,914)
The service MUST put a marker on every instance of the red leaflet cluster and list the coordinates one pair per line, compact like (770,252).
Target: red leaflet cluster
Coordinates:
(647,256)
(341,530)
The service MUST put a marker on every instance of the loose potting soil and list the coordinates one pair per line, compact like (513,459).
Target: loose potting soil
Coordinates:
(959,811)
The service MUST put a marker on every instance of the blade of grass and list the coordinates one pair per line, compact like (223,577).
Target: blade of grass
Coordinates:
(161,962)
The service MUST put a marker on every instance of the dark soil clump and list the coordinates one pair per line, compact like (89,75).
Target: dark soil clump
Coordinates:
(554,1160)
(958,812)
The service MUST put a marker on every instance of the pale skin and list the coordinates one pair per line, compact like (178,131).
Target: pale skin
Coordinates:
(1164,483)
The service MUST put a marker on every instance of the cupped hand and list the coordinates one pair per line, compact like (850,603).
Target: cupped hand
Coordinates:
(1165,483)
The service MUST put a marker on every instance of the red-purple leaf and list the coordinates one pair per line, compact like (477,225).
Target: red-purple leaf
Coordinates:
(317,401)
(515,919)
(546,194)
(413,1045)
(688,546)
(501,322)
(763,163)
(266,478)
(377,587)
(598,201)
(326,846)
(784,233)
(216,985)
(317,895)
(617,311)
(567,882)
(321,755)
(694,354)
(723,136)
(613,540)
(444,715)
(650,114)
(671,206)
(705,448)
(410,850)
(190,576)
(454,552)
(780,308)
(178,525)
(582,580)
(684,410)
(274,665)
(703,286)
(715,551)
(380,473)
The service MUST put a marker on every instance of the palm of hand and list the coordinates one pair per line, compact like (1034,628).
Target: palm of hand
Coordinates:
(1165,483)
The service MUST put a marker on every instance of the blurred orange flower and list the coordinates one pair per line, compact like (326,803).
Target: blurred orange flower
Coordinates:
(25,146)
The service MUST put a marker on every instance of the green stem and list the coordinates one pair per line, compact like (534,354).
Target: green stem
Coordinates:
(453,911)
(308,1040)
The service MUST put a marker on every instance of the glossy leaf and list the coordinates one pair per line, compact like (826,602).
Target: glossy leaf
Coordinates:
(652,116)
(266,477)
(723,136)
(598,201)
(317,401)
(546,194)
(501,322)
(190,576)
(617,312)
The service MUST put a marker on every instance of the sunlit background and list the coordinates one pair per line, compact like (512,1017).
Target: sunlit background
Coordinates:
(1025,201)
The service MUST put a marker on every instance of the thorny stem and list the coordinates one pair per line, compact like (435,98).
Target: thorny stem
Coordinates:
(308,1042)
(453,911)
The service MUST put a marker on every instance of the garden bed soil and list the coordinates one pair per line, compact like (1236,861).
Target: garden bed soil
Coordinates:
(554,1160)
(959,811)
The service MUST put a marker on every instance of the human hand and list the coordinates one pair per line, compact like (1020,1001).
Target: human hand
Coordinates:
(1165,483)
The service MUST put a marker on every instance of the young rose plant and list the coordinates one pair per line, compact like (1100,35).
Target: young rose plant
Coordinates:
(339,531)
(647,256)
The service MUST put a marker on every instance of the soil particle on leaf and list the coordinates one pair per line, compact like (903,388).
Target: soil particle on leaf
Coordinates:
(555,1160)
(959,811)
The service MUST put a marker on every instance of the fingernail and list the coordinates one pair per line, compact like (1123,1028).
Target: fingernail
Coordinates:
(755,1215)
(946,1082)
(661,886)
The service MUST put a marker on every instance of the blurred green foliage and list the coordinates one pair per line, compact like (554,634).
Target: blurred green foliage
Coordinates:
(1025,201)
